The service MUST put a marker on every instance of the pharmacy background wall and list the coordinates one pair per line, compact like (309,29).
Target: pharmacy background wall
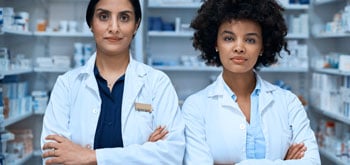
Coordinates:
(41,39)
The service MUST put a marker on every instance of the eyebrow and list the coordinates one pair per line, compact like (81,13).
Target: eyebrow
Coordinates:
(231,33)
(107,11)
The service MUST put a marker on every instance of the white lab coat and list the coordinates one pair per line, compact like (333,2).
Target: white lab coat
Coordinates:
(216,128)
(74,108)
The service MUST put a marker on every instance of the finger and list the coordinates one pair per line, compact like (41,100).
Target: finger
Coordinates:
(53,161)
(302,152)
(160,136)
(291,151)
(295,151)
(56,138)
(49,153)
(158,130)
(301,155)
(49,145)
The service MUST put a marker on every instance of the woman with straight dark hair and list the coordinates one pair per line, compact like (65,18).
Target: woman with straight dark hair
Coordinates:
(113,110)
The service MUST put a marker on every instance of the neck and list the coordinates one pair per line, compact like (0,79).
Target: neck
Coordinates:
(242,84)
(111,67)
(107,63)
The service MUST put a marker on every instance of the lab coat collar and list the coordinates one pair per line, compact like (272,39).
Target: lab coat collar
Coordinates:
(218,90)
(134,81)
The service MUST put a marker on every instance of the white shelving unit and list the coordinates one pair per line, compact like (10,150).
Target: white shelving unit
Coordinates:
(325,42)
(41,44)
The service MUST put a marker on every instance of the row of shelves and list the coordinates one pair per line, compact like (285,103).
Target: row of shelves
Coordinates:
(164,68)
(289,36)
(47,34)
(190,34)
(12,120)
(26,158)
(38,70)
(331,156)
(161,34)
(218,69)
(196,5)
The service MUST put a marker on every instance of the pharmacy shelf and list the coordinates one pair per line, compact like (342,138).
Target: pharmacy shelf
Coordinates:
(296,6)
(332,115)
(331,156)
(23,160)
(48,34)
(169,34)
(218,69)
(331,71)
(188,68)
(17,32)
(297,36)
(51,70)
(332,35)
(39,112)
(12,120)
(322,2)
(63,34)
(37,153)
(190,34)
(284,69)
(14,72)
(189,5)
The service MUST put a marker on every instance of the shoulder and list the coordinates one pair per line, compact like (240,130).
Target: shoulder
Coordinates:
(150,72)
(199,98)
(279,94)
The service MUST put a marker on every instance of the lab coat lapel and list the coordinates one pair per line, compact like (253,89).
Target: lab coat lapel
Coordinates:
(134,81)
(265,97)
(218,90)
(88,75)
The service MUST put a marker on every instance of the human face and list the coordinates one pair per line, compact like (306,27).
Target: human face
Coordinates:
(113,25)
(239,43)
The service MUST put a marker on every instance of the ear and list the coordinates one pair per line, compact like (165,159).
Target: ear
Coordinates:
(137,25)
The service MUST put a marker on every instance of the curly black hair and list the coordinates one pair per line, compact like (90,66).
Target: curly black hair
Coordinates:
(267,13)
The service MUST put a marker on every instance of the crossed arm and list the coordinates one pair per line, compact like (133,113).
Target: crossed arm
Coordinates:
(63,151)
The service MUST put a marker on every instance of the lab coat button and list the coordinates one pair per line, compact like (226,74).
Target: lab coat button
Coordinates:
(242,126)
(94,111)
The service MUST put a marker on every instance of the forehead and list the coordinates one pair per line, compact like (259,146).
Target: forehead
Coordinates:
(241,25)
(114,5)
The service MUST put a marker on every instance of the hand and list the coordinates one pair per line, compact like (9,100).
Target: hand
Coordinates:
(63,151)
(158,134)
(296,151)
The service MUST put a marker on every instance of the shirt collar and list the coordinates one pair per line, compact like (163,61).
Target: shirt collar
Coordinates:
(97,74)
(255,92)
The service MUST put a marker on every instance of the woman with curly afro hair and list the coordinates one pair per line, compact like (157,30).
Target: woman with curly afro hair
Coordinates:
(241,118)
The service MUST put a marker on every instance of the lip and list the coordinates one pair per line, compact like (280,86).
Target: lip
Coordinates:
(113,39)
(238,59)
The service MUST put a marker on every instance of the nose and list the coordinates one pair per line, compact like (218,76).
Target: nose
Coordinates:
(239,47)
(113,26)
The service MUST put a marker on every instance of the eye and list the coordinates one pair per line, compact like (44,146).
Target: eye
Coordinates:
(103,16)
(124,18)
(251,40)
(228,38)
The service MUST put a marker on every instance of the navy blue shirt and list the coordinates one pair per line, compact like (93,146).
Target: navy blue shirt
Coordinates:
(108,132)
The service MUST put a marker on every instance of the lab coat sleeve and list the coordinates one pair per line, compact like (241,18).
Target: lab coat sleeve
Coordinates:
(56,116)
(302,133)
(197,150)
(168,151)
